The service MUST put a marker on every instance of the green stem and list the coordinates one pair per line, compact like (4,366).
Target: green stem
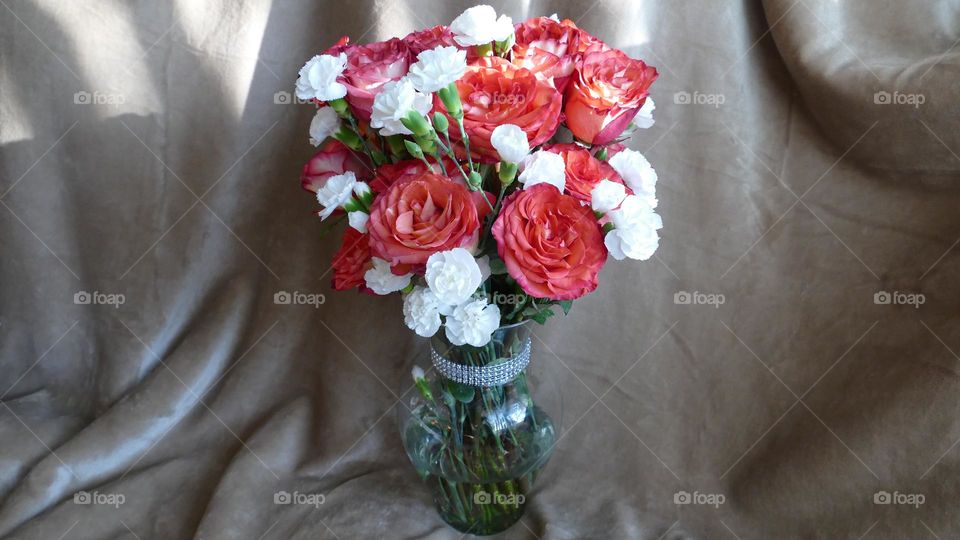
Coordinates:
(466,142)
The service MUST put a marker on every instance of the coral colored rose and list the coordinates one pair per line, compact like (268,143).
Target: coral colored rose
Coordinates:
(605,93)
(333,158)
(431,38)
(583,171)
(419,215)
(495,92)
(390,173)
(351,261)
(548,47)
(551,244)
(369,67)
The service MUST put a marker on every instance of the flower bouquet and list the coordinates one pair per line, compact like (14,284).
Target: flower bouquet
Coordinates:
(481,170)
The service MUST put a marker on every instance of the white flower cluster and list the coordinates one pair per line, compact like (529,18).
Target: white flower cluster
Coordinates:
(511,143)
(480,25)
(393,104)
(635,224)
(343,191)
(453,278)
(318,78)
(543,167)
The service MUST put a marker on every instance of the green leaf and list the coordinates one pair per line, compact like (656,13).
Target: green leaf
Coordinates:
(462,392)
(565,305)
(542,315)
(497,266)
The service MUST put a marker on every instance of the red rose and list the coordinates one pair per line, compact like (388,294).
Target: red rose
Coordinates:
(369,67)
(605,94)
(421,214)
(551,244)
(546,46)
(495,92)
(351,261)
(332,159)
(583,170)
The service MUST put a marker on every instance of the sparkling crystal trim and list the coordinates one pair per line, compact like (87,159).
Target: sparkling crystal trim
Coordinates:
(485,376)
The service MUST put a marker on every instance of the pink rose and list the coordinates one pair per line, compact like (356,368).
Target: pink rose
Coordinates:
(419,215)
(431,38)
(606,92)
(369,67)
(551,244)
(548,47)
(351,261)
(333,158)
(583,170)
(495,92)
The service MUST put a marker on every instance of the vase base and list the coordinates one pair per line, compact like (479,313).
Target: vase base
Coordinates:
(485,528)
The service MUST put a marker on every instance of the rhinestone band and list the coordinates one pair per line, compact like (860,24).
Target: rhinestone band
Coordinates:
(485,376)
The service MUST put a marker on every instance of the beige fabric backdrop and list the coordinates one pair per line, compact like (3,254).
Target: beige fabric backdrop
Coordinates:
(142,154)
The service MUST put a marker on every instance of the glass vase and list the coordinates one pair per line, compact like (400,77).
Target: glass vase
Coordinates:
(473,432)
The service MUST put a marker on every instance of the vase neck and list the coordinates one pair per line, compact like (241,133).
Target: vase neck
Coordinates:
(494,365)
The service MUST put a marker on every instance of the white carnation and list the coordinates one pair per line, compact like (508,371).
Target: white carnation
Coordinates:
(511,143)
(607,195)
(644,118)
(638,174)
(472,323)
(453,275)
(421,312)
(417,373)
(392,104)
(437,68)
(635,230)
(336,192)
(324,124)
(358,220)
(544,168)
(382,281)
(318,78)
(480,25)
